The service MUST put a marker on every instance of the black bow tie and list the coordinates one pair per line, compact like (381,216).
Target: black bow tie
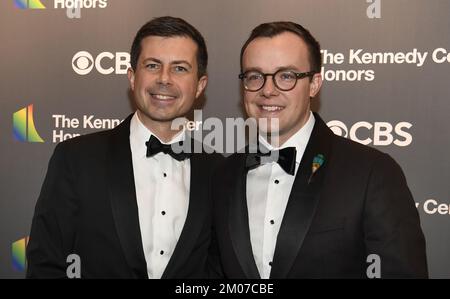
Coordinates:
(284,157)
(154,146)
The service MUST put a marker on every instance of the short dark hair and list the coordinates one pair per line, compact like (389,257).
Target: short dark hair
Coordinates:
(275,28)
(169,27)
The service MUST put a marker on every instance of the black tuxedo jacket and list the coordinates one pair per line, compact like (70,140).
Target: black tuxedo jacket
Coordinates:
(356,204)
(88,207)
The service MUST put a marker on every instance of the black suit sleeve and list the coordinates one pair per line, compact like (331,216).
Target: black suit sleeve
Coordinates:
(391,223)
(52,228)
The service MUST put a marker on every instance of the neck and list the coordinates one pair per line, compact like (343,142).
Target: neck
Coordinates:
(278,140)
(161,129)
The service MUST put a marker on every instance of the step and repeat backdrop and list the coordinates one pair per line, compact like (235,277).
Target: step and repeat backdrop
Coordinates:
(386,84)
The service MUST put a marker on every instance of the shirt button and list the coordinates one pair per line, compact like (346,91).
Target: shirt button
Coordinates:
(272,222)
(277,182)
(270,264)
(163,213)
(165,174)
(161,252)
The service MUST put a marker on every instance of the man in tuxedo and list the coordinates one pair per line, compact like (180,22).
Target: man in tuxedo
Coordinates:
(133,202)
(325,207)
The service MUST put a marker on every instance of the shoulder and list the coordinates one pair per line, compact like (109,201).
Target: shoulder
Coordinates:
(350,150)
(92,148)
(85,143)
(97,142)
(356,155)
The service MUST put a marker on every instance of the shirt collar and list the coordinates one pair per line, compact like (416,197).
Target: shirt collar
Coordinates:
(140,134)
(299,140)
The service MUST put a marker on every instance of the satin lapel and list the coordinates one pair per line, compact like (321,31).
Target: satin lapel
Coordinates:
(123,199)
(196,217)
(238,220)
(302,202)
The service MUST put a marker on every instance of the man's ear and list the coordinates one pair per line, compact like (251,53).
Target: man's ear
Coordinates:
(315,84)
(130,74)
(201,85)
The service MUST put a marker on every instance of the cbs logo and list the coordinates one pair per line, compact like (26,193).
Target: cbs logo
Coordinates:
(378,133)
(105,63)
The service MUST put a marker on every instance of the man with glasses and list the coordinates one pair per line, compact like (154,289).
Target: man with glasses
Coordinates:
(325,207)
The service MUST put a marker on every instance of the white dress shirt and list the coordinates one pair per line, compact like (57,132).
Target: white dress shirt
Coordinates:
(162,192)
(268,190)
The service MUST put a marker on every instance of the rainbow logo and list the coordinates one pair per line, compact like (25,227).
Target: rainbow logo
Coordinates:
(23,126)
(19,259)
(29,4)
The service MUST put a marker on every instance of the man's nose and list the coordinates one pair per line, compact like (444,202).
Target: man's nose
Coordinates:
(164,76)
(269,89)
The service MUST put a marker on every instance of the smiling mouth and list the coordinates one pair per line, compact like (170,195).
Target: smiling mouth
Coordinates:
(268,108)
(162,97)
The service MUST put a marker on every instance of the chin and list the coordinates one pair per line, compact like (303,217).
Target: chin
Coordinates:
(269,125)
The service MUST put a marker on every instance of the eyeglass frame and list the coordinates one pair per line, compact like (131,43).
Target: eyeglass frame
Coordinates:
(298,76)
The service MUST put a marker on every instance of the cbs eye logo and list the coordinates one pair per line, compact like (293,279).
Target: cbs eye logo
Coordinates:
(338,128)
(82,63)
(377,133)
(106,63)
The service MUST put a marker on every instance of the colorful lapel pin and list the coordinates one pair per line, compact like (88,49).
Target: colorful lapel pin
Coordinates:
(316,164)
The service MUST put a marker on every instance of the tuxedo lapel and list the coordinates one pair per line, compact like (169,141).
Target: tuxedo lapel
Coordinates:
(198,196)
(302,201)
(123,198)
(238,220)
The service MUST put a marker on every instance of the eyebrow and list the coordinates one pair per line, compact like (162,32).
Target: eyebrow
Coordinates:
(285,67)
(181,62)
(151,59)
(172,62)
(252,69)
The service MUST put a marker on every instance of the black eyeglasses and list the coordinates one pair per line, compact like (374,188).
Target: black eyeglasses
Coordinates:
(284,80)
